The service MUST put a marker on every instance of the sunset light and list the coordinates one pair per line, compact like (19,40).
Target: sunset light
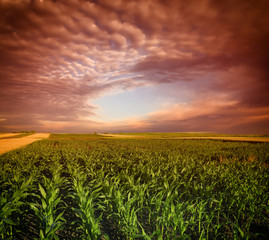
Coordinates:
(137,65)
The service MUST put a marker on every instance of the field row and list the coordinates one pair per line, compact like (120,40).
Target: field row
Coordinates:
(62,188)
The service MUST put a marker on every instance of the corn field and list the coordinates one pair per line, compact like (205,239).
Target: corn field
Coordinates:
(88,187)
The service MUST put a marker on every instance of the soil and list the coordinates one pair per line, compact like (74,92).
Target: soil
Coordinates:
(229,139)
(10,144)
(4,135)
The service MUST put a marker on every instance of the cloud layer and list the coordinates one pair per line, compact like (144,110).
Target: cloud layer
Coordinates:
(57,56)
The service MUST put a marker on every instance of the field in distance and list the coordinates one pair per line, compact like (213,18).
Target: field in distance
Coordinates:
(191,135)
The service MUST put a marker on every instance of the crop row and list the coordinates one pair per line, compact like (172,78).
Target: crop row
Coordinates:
(135,189)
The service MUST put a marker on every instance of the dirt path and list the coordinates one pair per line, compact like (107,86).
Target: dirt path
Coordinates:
(4,135)
(121,136)
(11,144)
(235,139)
(228,139)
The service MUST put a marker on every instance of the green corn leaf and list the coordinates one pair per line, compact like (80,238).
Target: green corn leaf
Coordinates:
(41,234)
(44,204)
(56,237)
(59,217)
(57,201)
(8,221)
(42,191)
(34,207)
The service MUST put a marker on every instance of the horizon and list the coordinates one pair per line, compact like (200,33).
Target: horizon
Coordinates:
(134,66)
(141,133)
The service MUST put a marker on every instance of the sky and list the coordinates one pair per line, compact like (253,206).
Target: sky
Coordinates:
(83,66)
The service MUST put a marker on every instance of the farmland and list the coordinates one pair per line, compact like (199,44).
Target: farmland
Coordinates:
(10,142)
(194,136)
(94,187)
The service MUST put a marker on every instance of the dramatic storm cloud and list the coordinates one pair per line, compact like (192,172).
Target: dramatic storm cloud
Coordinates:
(134,65)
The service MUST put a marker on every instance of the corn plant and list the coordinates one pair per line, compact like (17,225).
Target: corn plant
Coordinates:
(86,198)
(174,221)
(10,201)
(48,211)
(136,189)
(122,207)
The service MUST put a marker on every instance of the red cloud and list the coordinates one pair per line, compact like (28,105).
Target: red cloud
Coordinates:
(58,55)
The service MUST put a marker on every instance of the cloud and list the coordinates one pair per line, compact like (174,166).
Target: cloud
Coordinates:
(57,56)
(206,117)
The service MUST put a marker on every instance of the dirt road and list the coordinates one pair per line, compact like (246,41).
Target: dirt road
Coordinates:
(14,143)
(232,139)
(4,135)
(121,136)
